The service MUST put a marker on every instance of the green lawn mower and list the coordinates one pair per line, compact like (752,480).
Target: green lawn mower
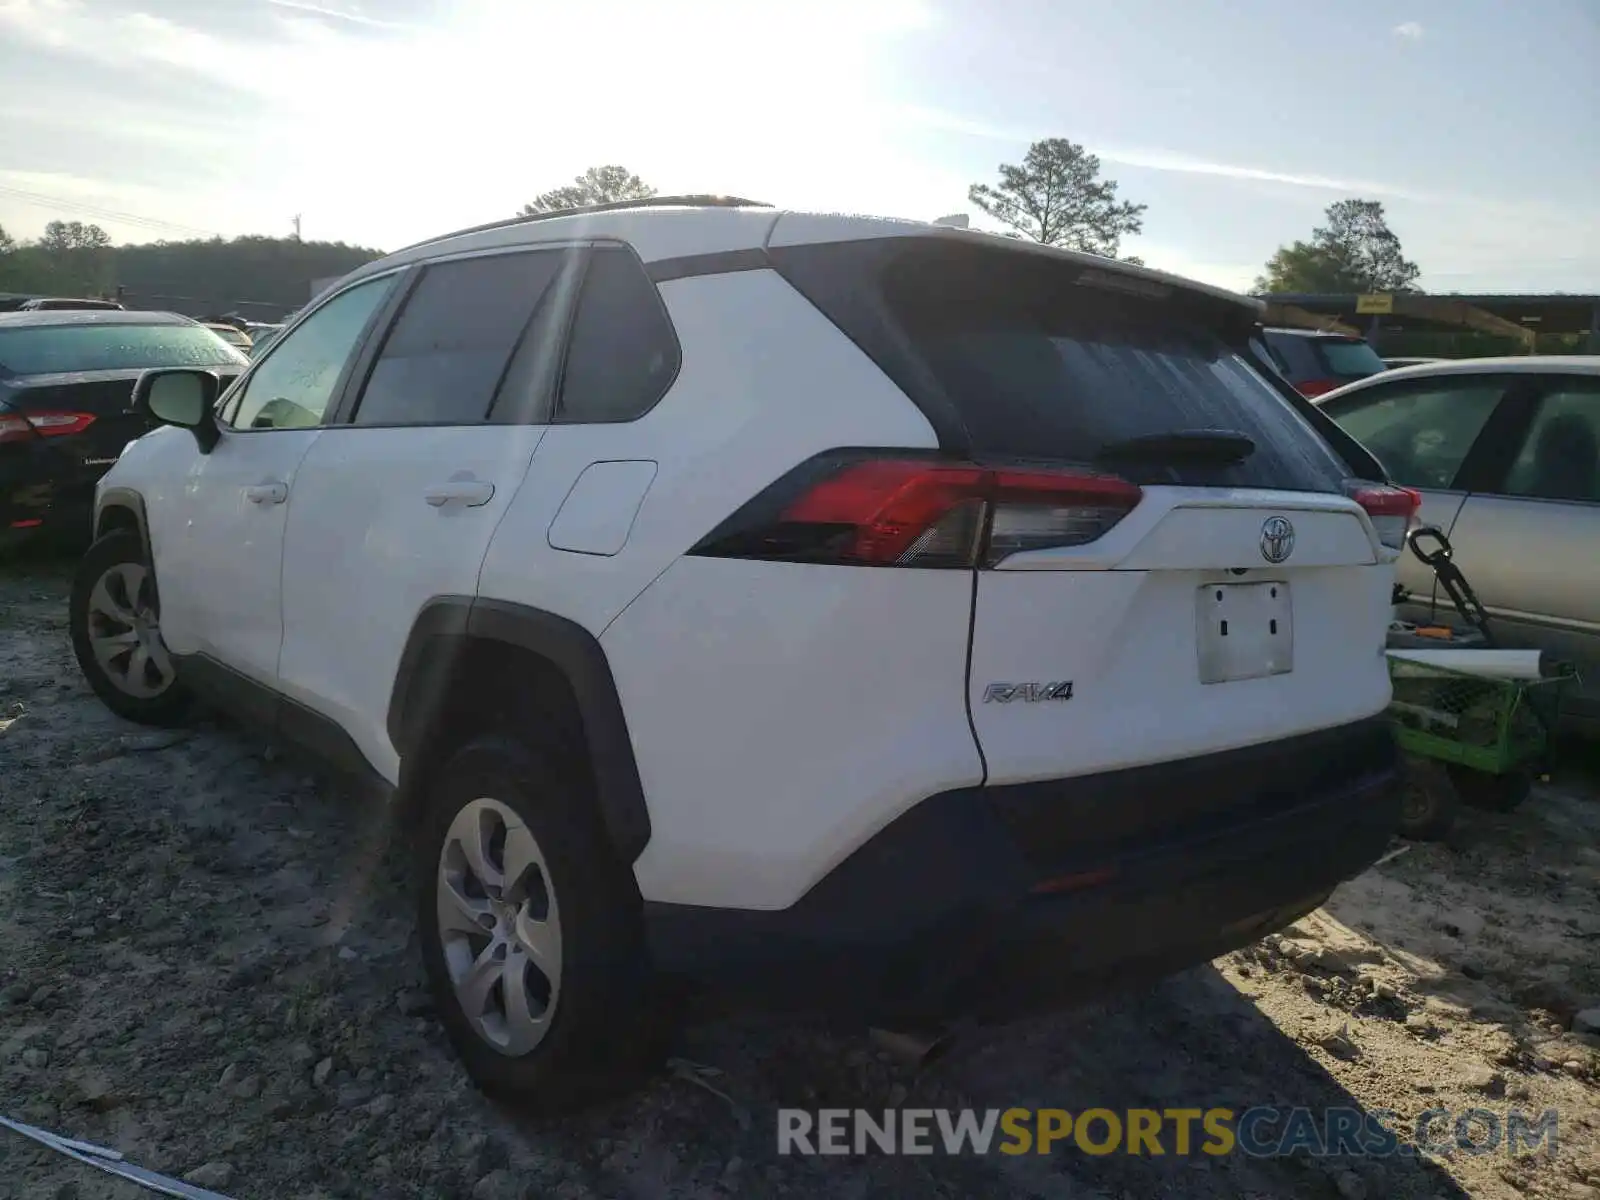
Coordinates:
(1470,733)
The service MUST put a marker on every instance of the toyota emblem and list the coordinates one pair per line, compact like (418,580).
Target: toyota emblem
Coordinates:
(1277,539)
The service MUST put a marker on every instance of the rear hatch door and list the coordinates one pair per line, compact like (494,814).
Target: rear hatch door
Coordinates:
(1232,592)
(1242,599)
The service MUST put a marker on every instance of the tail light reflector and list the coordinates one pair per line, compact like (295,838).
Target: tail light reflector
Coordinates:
(1392,509)
(920,513)
(16,427)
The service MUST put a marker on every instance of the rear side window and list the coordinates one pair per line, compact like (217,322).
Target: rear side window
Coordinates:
(446,354)
(1040,365)
(623,353)
(1348,359)
(1560,458)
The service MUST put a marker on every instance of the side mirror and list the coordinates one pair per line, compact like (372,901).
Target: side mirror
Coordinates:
(181,397)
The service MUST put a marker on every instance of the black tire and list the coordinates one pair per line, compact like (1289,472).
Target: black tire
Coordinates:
(1430,805)
(606,1031)
(120,548)
(1496,793)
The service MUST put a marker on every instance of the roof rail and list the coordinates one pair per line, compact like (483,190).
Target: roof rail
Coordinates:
(691,201)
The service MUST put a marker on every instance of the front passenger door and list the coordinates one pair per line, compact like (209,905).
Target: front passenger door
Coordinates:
(222,552)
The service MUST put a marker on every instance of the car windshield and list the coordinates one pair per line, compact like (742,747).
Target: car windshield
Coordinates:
(1349,359)
(47,349)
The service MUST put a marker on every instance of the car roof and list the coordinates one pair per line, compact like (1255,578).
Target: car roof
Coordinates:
(1312,333)
(1522,364)
(90,316)
(665,228)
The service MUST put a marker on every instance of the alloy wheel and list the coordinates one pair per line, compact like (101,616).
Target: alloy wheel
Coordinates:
(499,926)
(124,629)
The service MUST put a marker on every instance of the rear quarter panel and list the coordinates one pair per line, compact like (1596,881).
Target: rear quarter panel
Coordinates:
(766,383)
(1535,566)
(778,713)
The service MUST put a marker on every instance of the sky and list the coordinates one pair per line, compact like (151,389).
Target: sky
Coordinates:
(1237,122)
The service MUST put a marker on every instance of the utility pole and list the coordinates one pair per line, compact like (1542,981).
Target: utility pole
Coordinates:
(297,227)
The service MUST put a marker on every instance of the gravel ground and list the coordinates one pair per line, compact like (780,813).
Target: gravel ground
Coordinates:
(206,962)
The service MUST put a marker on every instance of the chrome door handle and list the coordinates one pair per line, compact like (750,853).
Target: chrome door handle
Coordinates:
(267,493)
(472,493)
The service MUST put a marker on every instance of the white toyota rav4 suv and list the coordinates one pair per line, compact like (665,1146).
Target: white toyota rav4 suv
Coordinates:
(853,613)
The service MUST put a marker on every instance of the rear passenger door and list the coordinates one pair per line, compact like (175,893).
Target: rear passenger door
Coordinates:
(1528,537)
(432,440)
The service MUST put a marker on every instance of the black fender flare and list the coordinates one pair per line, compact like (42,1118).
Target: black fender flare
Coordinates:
(121,497)
(442,629)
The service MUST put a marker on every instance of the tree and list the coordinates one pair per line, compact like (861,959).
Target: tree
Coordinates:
(260,276)
(60,236)
(256,275)
(1057,197)
(80,258)
(597,185)
(1355,251)
(7,242)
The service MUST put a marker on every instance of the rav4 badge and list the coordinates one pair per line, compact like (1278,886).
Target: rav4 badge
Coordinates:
(1030,693)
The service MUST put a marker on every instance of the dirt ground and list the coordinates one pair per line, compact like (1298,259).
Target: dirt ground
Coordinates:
(206,962)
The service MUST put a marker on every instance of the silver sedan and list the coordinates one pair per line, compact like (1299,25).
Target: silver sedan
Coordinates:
(1506,453)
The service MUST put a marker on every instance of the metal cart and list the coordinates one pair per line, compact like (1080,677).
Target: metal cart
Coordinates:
(1467,738)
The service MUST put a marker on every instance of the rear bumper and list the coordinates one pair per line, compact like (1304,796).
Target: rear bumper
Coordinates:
(40,495)
(67,521)
(995,901)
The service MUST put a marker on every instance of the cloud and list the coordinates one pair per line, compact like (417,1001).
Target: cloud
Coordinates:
(1412,31)
(228,134)
(207,132)
(454,149)
(132,40)
(1164,160)
(338,14)
(74,197)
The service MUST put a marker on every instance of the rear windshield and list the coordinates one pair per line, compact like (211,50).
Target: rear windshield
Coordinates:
(1348,359)
(1041,365)
(48,349)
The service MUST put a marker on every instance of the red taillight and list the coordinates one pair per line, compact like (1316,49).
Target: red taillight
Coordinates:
(17,427)
(1391,509)
(922,513)
(1315,387)
(886,510)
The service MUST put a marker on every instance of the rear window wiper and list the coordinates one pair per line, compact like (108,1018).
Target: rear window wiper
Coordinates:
(1180,446)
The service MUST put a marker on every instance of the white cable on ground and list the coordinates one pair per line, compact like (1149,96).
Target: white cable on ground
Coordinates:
(111,1162)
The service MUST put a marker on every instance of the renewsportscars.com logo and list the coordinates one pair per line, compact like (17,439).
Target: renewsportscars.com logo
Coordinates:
(1264,1131)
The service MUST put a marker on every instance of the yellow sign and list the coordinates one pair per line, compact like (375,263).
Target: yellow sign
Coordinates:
(1369,305)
